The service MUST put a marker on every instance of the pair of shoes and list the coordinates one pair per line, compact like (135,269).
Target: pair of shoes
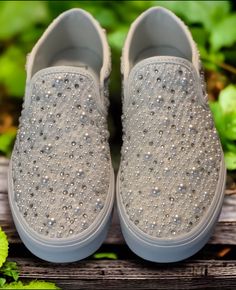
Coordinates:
(170,185)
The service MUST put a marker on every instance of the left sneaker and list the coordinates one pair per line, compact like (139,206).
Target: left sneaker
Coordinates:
(61,180)
(170,186)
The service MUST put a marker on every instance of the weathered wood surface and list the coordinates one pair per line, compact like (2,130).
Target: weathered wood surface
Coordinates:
(133,274)
(214,267)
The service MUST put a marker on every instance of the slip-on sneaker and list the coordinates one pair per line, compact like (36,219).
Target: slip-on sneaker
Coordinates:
(170,186)
(61,181)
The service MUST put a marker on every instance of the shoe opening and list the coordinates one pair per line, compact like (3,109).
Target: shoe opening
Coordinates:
(72,40)
(158,33)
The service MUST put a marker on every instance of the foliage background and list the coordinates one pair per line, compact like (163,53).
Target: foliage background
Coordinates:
(212,23)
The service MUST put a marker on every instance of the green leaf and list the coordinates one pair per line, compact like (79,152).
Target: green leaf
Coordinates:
(230,160)
(41,285)
(3,247)
(218,117)
(14,285)
(2,282)
(230,55)
(116,38)
(6,142)
(211,59)
(10,269)
(17,16)
(112,256)
(227,99)
(224,34)
(106,18)
(12,73)
(230,125)
(231,146)
(31,285)
(200,35)
(30,36)
(208,13)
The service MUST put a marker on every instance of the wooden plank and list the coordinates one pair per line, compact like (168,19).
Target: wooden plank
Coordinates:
(3,174)
(133,274)
(228,212)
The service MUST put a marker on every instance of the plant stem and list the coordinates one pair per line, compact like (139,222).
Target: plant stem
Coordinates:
(227,67)
(223,65)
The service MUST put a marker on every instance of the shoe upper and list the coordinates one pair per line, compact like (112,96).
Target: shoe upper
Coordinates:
(171,168)
(61,167)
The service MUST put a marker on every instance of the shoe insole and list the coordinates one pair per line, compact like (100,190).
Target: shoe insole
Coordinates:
(159,51)
(79,57)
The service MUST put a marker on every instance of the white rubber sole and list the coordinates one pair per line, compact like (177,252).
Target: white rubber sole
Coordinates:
(64,250)
(165,251)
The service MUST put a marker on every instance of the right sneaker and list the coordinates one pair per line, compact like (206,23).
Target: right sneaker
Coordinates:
(61,180)
(170,186)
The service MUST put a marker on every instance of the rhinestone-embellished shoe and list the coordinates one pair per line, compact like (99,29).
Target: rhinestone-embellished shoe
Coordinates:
(170,186)
(61,181)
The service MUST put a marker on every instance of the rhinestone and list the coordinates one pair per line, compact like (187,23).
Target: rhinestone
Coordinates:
(140,77)
(171,199)
(87,138)
(155,191)
(140,210)
(51,222)
(48,94)
(184,82)
(45,180)
(77,210)
(166,171)
(192,129)
(182,188)
(160,99)
(177,219)
(83,118)
(147,156)
(84,225)
(47,149)
(99,204)
(80,173)
(153,225)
